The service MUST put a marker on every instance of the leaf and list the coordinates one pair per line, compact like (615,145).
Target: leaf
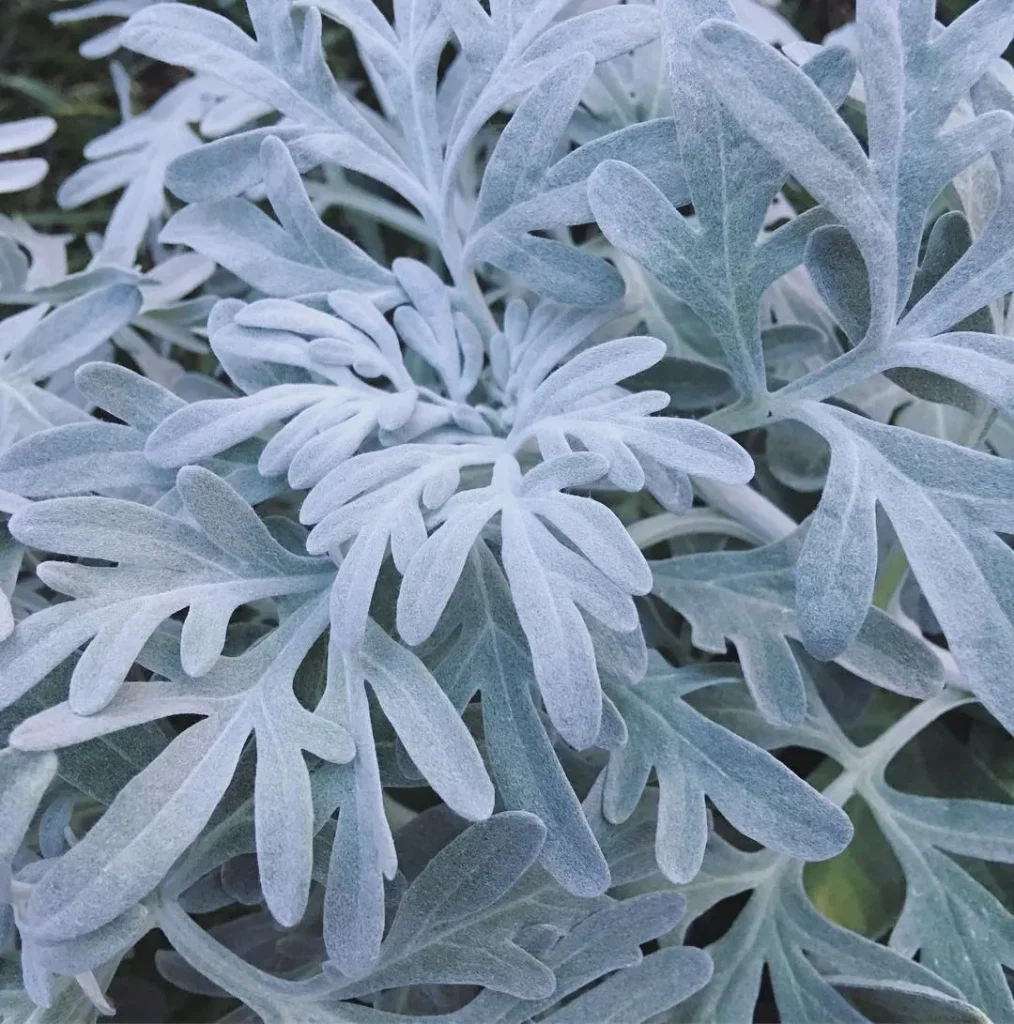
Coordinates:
(76,457)
(717,267)
(880,199)
(164,565)
(945,505)
(467,877)
(516,196)
(502,896)
(72,332)
(694,757)
(552,411)
(153,820)
(449,343)
(299,256)
(748,598)
(134,157)
(832,598)
(79,957)
(529,142)
(427,723)
(548,580)
(250,692)
(140,403)
(362,853)
(99,768)
(283,819)
(283,67)
(369,500)
(404,62)
(775,929)
(643,991)
(905,1001)
(24,778)
(563,944)
(508,56)
(431,935)
(17,175)
(489,652)
(960,929)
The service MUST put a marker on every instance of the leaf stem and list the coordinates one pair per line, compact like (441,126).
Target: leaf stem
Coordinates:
(872,759)
(665,526)
(748,507)
(466,285)
(745,414)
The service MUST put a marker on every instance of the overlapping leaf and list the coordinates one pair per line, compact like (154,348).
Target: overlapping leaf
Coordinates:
(946,505)
(914,82)
(718,268)
(162,810)
(164,565)
(961,930)
(780,929)
(297,255)
(693,756)
(748,597)
(481,910)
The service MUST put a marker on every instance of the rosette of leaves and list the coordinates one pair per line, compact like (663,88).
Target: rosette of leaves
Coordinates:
(378,625)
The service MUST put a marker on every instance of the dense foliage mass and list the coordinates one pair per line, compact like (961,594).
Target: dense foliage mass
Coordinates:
(471,531)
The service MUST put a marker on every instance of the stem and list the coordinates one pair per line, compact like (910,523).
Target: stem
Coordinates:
(869,761)
(465,283)
(822,383)
(475,302)
(380,209)
(746,414)
(978,425)
(664,526)
(748,507)
(877,754)
(874,758)
(258,989)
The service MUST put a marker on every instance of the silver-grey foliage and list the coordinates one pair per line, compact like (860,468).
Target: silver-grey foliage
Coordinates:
(368,592)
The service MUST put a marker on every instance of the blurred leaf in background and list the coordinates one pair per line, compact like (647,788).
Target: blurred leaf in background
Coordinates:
(42,72)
